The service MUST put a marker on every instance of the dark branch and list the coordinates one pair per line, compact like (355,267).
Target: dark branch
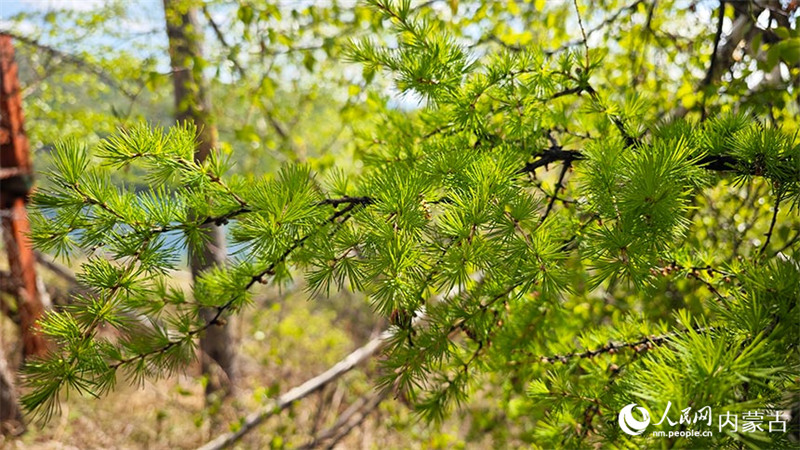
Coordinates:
(559,185)
(551,155)
(639,345)
(717,163)
(772,224)
(347,199)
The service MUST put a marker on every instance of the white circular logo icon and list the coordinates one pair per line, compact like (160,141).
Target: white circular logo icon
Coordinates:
(631,425)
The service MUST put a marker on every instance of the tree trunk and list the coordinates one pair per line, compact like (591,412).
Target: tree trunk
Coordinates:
(192,104)
(15,185)
(11,421)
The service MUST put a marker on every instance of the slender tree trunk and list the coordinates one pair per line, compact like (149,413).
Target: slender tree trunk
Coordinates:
(192,104)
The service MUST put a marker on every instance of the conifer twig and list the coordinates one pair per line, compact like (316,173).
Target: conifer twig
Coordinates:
(772,224)
(216,319)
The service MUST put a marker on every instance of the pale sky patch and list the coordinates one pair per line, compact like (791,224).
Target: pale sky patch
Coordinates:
(77,5)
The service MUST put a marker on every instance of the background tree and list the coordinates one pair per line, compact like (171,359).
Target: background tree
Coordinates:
(193,105)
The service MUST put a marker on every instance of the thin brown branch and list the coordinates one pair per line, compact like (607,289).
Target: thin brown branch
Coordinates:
(322,407)
(76,61)
(789,243)
(584,36)
(358,418)
(695,274)
(62,272)
(559,185)
(583,33)
(276,125)
(712,62)
(611,19)
(640,345)
(778,199)
(593,409)
(350,418)
(743,28)
(223,41)
(298,393)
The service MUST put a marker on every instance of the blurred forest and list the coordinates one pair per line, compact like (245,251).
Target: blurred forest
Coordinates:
(339,87)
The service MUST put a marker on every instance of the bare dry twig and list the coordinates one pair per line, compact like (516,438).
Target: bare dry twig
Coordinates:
(298,393)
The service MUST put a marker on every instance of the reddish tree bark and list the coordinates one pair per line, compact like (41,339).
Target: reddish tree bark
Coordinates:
(15,186)
(15,183)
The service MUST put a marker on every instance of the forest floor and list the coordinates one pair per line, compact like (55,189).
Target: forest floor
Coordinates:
(283,340)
